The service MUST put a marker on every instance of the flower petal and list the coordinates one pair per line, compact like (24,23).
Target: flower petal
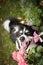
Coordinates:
(36,37)
(14,55)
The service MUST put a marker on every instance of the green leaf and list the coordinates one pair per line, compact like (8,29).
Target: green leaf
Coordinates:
(39,48)
(29,52)
(37,55)
(33,50)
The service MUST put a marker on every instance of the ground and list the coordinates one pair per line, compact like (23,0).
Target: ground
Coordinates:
(7,9)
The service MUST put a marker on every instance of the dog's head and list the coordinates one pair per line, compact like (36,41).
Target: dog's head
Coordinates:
(20,33)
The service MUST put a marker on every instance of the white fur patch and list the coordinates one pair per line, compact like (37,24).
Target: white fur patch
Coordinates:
(6,25)
(17,45)
(21,31)
(16,29)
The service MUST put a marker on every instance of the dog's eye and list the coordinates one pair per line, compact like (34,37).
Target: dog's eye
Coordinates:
(27,32)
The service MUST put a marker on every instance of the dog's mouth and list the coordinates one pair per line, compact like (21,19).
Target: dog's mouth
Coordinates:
(25,44)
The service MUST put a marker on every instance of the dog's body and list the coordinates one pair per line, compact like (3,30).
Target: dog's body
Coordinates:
(20,33)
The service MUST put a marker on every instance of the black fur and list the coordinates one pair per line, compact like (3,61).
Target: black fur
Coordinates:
(15,22)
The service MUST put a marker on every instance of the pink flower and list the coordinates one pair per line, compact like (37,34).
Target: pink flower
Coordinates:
(14,56)
(36,37)
(20,57)
(22,63)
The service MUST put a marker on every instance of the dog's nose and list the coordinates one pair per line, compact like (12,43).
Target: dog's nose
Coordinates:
(22,38)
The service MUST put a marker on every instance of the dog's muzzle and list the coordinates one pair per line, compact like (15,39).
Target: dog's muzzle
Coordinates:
(23,41)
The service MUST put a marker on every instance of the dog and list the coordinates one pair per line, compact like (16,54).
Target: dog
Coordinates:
(20,33)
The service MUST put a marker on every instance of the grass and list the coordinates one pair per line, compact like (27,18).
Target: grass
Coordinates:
(8,8)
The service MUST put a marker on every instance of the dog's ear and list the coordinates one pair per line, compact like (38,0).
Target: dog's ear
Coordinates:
(6,25)
(34,27)
(9,23)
